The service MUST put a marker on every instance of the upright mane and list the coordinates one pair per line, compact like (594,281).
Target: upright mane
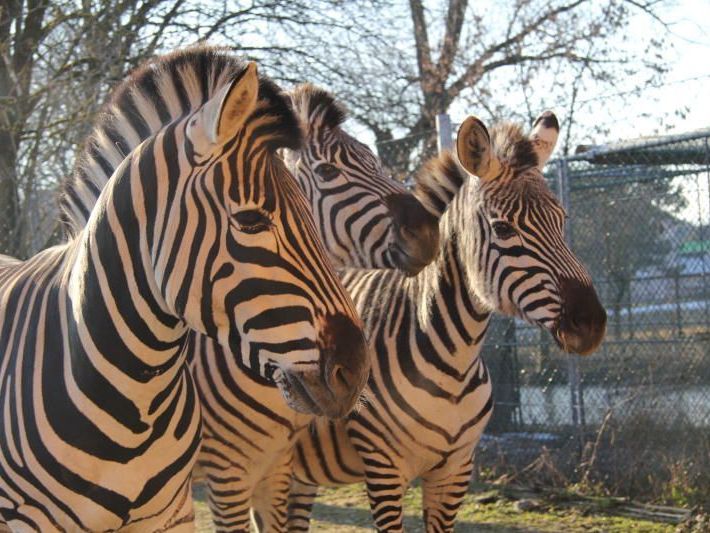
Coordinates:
(159,92)
(512,146)
(317,107)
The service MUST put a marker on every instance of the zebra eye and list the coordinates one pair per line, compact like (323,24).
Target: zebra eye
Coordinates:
(503,230)
(252,221)
(327,171)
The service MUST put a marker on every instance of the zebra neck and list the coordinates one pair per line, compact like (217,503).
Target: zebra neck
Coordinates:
(448,312)
(117,323)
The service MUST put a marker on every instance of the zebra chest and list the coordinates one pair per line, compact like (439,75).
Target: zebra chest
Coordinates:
(248,422)
(426,410)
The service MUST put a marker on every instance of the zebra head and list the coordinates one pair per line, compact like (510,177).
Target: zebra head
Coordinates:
(366,219)
(521,264)
(234,247)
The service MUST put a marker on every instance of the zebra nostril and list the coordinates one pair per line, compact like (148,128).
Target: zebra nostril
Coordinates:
(338,377)
(408,233)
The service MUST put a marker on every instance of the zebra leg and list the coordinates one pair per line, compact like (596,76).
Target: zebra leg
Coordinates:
(385,490)
(442,495)
(228,495)
(300,504)
(270,499)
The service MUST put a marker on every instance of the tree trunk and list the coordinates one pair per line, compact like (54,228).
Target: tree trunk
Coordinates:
(9,215)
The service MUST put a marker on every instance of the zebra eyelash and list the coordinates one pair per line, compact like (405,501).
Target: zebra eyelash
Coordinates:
(327,171)
(252,220)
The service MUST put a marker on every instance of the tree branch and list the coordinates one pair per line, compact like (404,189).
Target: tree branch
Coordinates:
(474,71)
(452,36)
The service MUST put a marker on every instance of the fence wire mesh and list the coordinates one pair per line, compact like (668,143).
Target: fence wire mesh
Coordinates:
(404,156)
(634,418)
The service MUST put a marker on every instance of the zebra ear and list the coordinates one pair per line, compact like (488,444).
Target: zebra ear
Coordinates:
(544,135)
(224,114)
(473,147)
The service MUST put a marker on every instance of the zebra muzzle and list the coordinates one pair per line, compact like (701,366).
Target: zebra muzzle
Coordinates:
(333,387)
(582,324)
(416,239)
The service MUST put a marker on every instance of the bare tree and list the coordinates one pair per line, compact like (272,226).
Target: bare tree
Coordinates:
(402,63)
(396,64)
(56,61)
(59,59)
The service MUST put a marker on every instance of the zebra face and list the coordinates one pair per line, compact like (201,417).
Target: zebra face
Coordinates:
(365,218)
(254,275)
(522,265)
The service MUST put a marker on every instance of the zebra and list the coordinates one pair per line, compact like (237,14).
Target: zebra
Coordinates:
(429,392)
(200,227)
(249,431)
(365,218)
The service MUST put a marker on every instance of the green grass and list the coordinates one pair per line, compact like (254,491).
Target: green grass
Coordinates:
(346,510)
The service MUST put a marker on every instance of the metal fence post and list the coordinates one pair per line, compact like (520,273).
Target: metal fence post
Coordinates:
(444,133)
(576,397)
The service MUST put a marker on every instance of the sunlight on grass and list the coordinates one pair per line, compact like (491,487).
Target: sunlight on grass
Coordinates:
(346,510)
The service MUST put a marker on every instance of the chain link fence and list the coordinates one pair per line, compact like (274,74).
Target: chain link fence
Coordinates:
(404,156)
(634,418)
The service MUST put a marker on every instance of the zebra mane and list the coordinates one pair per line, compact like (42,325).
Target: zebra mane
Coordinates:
(159,92)
(512,146)
(438,182)
(442,186)
(317,107)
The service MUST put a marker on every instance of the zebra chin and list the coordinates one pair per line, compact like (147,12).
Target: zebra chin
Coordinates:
(410,263)
(304,393)
(584,343)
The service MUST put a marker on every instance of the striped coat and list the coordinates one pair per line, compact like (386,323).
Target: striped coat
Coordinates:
(249,430)
(365,219)
(429,393)
(197,228)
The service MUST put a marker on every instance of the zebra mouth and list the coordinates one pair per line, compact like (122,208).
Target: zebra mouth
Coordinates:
(559,336)
(296,394)
(556,332)
(571,341)
(409,265)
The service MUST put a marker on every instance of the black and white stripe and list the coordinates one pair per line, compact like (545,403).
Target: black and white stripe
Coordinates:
(197,226)
(366,218)
(429,393)
(249,431)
